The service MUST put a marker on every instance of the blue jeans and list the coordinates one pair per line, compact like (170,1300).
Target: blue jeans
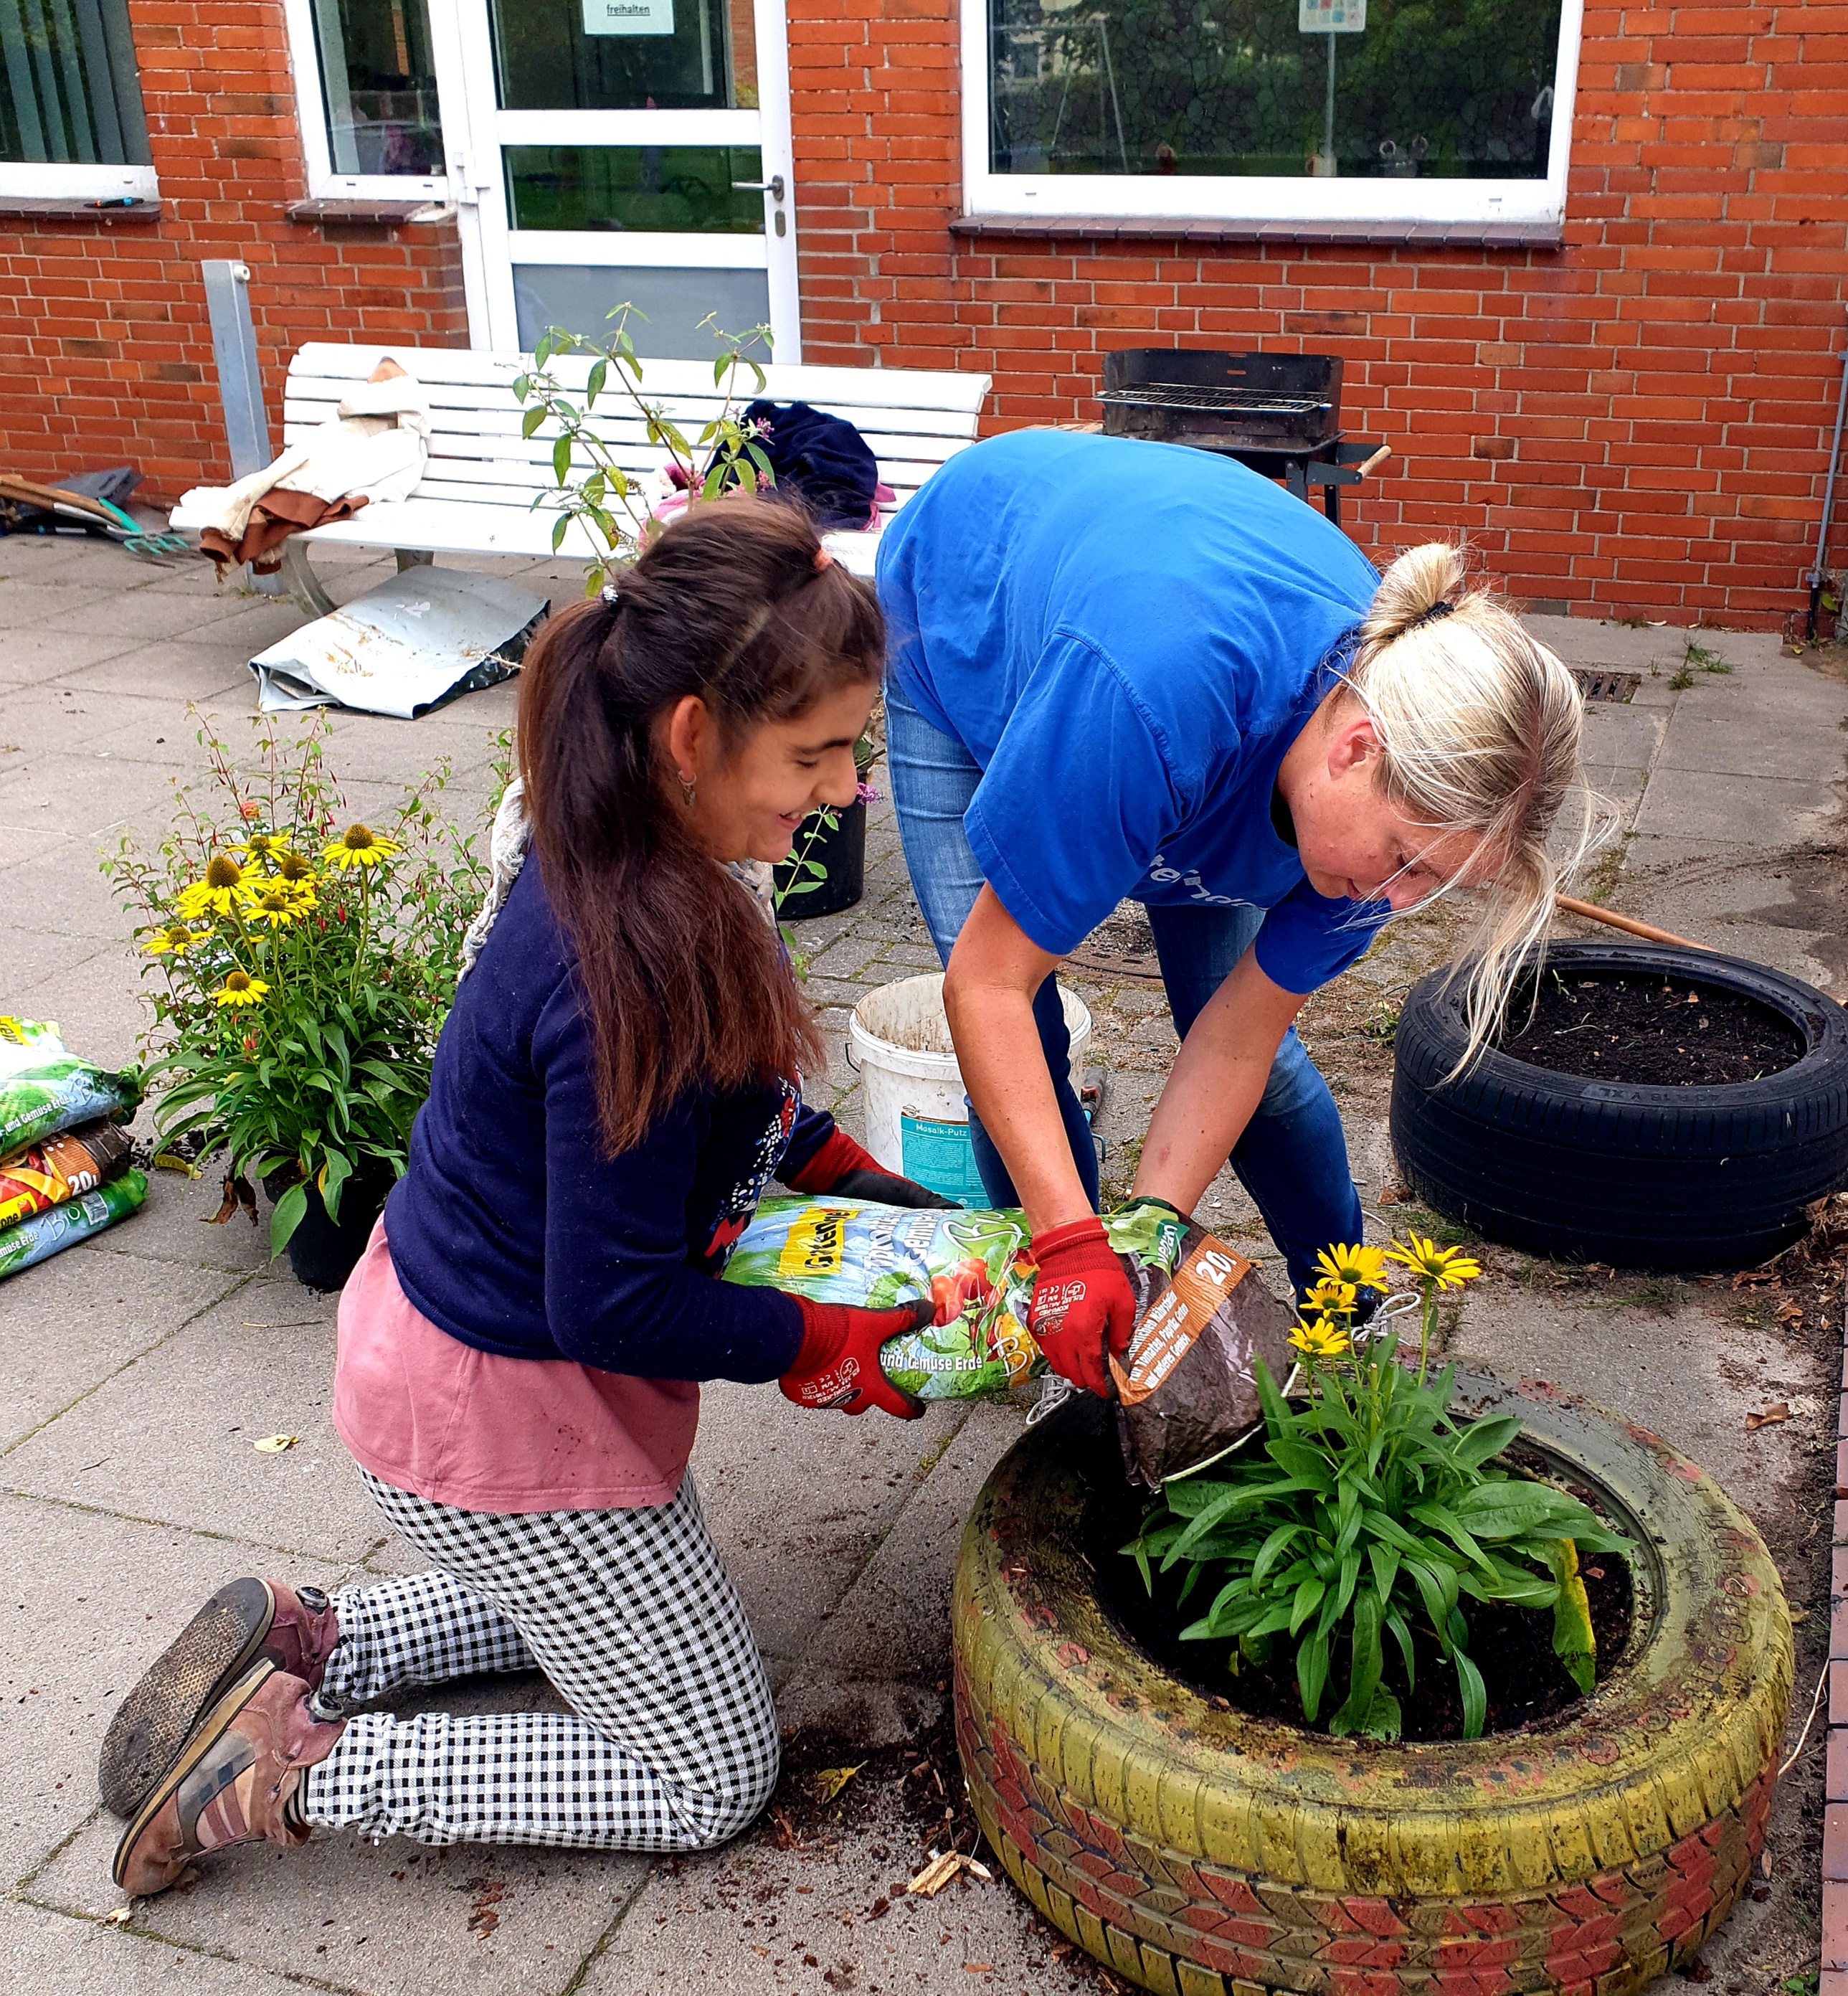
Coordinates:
(1293,1158)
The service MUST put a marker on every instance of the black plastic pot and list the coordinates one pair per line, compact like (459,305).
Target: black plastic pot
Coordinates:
(842,851)
(323,1252)
(1635,1177)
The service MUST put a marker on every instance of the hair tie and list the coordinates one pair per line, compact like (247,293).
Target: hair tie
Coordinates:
(1440,608)
(823,559)
(611,595)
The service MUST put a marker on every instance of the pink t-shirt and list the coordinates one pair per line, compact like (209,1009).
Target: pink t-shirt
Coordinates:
(427,1413)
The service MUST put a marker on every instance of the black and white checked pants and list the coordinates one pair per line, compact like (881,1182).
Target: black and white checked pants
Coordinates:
(671,1744)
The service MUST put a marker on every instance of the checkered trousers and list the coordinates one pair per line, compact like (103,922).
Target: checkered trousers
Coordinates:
(671,1744)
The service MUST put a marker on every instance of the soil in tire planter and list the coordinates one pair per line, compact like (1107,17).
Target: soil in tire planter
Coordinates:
(1648,1031)
(1512,1647)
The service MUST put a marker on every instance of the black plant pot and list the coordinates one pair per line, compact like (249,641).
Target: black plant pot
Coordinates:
(842,852)
(323,1252)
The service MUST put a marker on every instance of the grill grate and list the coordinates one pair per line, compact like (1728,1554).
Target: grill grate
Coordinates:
(1204,400)
(1614,686)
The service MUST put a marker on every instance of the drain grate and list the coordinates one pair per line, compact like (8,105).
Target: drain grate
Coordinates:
(1608,686)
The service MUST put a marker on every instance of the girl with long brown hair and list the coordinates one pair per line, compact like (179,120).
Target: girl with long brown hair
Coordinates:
(519,1350)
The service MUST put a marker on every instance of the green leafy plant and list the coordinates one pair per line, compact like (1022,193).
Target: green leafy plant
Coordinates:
(1370,1510)
(594,487)
(307,963)
(802,872)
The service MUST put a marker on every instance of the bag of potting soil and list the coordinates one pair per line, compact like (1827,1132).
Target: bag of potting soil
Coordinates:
(44,1088)
(56,1168)
(51,1232)
(1188,1390)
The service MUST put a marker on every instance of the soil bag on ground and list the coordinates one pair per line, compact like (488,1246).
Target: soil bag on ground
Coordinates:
(58,1168)
(51,1232)
(1188,1390)
(420,639)
(44,1089)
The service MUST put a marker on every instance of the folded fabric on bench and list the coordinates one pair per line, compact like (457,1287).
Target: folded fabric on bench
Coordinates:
(375,447)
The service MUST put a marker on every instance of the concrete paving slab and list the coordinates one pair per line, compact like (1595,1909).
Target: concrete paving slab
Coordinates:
(1581,641)
(26,605)
(85,794)
(390,1920)
(54,1955)
(36,954)
(1625,737)
(175,1223)
(1767,811)
(100,1010)
(78,1319)
(172,669)
(29,657)
(169,1438)
(1739,742)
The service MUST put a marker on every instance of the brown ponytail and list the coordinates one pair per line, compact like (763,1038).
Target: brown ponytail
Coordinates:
(681,977)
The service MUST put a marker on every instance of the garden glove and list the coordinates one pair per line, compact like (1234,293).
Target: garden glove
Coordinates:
(841,1170)
(1083,1309)
(838,1365)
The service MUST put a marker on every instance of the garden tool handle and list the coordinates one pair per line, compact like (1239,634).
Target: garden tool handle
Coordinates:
(1628,923)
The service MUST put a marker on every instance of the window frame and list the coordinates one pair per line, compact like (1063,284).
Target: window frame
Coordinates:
(1259,198)
(323,184)
(56,180)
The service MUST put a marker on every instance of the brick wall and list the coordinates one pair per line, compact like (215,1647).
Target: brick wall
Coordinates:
(1635,423)
(109,318)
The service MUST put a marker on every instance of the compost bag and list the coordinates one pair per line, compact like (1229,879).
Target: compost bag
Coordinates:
(57,1168)
(44,1089)
(1187,1391)
(50,1233)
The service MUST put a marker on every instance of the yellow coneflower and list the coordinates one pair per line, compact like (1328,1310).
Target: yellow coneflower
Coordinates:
(175,940)
(1365,1268)
(359,846)
(239,988)
(293,865)
(1332,1298)
(1443,1268)
(217,894)
(277,903)
(1324,1338)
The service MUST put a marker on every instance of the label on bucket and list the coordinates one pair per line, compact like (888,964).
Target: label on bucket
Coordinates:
(940,1155)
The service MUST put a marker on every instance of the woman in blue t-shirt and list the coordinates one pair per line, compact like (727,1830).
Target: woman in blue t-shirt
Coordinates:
(1131,670)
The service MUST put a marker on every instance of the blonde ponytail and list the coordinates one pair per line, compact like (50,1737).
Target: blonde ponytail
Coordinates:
(1479,724)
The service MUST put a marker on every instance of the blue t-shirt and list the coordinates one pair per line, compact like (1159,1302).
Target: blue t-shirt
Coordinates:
(1126,637)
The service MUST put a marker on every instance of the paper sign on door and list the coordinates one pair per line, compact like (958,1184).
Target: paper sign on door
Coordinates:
(1314,17)
(643,17)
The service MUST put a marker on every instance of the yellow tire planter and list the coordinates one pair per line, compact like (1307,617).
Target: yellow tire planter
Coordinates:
(1199,1852)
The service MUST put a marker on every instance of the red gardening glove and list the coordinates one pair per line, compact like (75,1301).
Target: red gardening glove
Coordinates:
(1083,1307)
(838,1365)
(842,1168)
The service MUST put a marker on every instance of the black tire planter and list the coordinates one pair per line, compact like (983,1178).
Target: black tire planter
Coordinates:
(1582,1170)
(323,1252)
(843,852)
(1199,1851)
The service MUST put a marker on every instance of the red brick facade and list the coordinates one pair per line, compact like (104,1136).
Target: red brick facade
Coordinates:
(1635,423)
(108,319)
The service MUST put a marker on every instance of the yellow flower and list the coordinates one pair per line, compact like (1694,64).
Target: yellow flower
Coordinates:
(293,865)
(1332,1297)
(1443,1268)
(241,988)
(216,894)
(1324,1338)
(359,846)
(1365,1268)
(277,903)
(175,940)
(260,845)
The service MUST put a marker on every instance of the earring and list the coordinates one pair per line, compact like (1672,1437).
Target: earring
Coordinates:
(686,788)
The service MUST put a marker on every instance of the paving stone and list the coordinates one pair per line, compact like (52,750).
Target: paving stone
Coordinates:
(87,795)
(31,656)
(53,1954)
(1767,811)
(168,670)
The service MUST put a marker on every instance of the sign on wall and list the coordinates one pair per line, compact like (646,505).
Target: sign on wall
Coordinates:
(652,17)
(1315,17)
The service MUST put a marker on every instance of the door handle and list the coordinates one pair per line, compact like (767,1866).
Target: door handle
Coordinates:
(772,187)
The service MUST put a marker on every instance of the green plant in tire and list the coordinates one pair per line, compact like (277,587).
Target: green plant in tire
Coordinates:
(1373,1513)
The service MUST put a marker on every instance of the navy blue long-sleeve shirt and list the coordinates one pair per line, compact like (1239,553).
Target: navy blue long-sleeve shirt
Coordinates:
(513,1230)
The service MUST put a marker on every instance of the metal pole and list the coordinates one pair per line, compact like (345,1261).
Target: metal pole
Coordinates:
(240,377)
(1328,119)
(1834,452)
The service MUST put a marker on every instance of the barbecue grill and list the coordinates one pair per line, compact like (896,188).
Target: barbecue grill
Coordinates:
(1278,413)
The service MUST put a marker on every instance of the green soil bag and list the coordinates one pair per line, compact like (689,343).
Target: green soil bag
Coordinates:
(49,1234)
(44,1088)
(1188,1390)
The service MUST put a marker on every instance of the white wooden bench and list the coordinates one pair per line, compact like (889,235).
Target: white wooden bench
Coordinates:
(477,493)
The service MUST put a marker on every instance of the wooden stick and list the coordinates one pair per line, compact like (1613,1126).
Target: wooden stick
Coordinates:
(1627,923)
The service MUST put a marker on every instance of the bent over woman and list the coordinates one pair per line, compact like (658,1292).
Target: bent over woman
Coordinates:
(520,1348)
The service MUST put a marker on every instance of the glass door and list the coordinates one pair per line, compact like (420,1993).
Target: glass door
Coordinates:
(630,151)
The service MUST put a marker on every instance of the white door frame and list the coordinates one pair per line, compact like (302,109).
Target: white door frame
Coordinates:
(475,128)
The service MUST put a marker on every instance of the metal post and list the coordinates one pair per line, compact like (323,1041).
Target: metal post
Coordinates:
(240,378)
(1328,117)
(1817,574)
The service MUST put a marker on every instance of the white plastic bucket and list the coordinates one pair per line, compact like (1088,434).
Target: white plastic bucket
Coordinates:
(916,1117)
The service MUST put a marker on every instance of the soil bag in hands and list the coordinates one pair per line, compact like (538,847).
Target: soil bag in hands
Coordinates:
(57,1168)
(836,1251)
(1188,1390)
(44,1089)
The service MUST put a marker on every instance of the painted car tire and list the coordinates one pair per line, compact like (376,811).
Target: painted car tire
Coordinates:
(1200,1852)
(1561,1164)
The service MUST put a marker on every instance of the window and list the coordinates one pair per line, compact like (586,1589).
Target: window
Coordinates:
(366,80)
(71,124)
(1392,110)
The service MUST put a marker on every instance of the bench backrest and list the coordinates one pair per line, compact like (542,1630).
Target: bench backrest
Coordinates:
(912,419)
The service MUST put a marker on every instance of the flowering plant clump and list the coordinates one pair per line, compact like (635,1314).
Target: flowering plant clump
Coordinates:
(306,962)
(1372,1511)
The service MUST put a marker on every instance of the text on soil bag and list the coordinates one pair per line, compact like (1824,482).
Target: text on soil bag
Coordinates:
(1196,1291)
(814,1246)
